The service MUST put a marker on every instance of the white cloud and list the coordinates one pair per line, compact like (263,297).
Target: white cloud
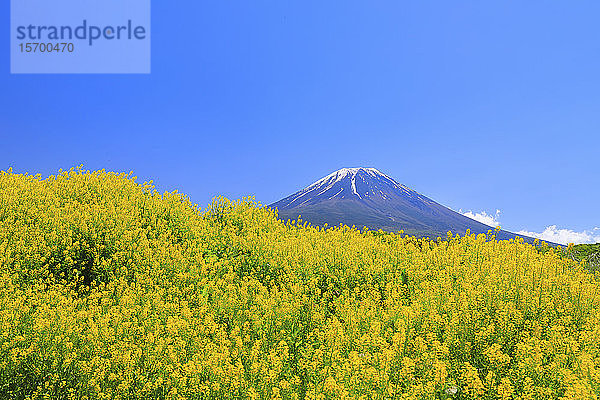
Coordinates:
(564,236)
(552,233)
(483,217)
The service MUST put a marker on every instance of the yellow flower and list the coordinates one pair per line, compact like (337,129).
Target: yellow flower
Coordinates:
(109,289)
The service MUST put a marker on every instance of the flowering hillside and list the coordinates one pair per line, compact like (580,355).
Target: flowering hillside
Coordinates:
(109,290)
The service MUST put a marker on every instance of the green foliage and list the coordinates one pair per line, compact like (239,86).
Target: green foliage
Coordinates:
(589,254)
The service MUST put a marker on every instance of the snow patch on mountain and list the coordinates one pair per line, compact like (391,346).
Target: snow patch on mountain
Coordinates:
(361,184)
(330,180)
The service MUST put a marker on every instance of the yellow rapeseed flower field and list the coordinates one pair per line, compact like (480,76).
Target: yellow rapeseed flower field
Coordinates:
(110,290)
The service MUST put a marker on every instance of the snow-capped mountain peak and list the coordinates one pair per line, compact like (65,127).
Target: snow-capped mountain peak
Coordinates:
(360,184)
(347,172)
(367,197)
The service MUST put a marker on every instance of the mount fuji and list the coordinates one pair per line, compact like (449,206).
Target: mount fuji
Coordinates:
(367,197)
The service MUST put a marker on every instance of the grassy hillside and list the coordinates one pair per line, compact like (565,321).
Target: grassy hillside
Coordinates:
(109,290)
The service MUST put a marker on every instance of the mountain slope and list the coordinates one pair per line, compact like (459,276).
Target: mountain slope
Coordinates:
(368,197)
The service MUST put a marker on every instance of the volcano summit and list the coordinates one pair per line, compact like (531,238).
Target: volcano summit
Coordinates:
(368,197)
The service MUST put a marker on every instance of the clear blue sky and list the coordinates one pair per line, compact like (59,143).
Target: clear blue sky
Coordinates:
(478,105)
